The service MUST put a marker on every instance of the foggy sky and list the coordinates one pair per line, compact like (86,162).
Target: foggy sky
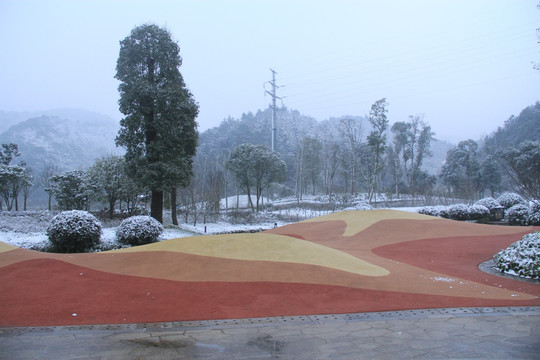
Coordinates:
(465,65)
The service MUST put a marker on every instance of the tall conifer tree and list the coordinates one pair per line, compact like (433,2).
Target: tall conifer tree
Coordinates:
(159,130)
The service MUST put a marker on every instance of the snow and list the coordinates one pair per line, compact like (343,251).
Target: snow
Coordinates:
(241,201)
(25,229)
(443,279)
(25,240)
(521,258)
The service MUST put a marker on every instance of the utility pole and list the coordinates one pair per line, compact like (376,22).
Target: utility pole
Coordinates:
(273,106)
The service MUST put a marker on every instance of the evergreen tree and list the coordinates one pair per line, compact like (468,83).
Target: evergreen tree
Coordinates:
(522,163)
(71,190)
(108,178)
(159,130)
(255,166)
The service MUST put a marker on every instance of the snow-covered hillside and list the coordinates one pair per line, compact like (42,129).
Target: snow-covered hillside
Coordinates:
(68,139)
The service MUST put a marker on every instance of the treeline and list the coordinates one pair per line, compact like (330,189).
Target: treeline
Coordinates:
(340,155)
(348,155)
(105,183)
(353,155)
(507,160)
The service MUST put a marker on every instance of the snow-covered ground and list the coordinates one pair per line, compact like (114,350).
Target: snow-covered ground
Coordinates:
(27,229)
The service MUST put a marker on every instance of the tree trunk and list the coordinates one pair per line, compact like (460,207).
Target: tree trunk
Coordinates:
(111,208)
(173,206)
(156,206)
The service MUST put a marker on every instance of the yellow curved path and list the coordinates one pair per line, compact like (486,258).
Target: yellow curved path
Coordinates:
(266,247)
(360,220)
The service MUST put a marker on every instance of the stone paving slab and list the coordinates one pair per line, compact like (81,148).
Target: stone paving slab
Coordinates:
(459,333)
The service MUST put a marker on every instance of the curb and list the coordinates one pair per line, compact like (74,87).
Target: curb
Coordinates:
(289,320)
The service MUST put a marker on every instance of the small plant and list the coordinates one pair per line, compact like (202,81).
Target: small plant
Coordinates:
(509,199)
(522,258)
(74,231)
(139,230)
(518,215)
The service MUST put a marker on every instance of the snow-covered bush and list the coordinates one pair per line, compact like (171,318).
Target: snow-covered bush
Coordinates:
(430,210)
(534,212)
(488,202)
(478,212)
(74,231)
(458,212)
(139,230)
(362,205)
(509,199)
(518,215)
(443,212)
(521,258)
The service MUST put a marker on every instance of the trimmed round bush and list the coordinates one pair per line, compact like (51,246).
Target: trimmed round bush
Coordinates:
(458,212)
(139,230)
(518,215)
(430,210)
(478,212)
(74,231)
(488,202)
(522,258)
(534,212)
(509,199)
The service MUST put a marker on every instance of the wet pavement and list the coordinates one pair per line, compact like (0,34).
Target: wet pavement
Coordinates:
(451,333)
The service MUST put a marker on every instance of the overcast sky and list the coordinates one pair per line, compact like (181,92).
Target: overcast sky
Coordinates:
(465,65)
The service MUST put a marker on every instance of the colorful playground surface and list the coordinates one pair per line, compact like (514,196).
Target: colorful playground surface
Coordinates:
(352,261)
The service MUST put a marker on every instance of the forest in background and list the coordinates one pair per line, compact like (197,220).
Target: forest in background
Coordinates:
(331,157)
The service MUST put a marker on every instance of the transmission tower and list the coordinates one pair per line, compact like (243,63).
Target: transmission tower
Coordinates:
(273,107)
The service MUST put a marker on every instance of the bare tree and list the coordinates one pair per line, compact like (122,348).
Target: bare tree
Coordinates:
(351,131)
(44,180)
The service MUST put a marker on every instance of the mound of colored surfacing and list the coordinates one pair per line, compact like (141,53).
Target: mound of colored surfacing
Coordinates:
(357,261)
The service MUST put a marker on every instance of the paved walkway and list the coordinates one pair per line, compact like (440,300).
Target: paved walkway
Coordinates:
(458,333)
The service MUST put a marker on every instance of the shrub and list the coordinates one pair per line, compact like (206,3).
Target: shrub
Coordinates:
(534,212)
(509,199)
(443,212)
(74,231)
(139,230)
(488,202)
(361,205)
(522,258)
(518,215)
(458,212)
(431,210)
(478,212)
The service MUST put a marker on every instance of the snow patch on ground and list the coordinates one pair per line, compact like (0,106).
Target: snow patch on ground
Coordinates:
(443,279)
(25,230)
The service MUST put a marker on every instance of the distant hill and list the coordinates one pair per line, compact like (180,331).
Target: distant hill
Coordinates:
(525,126)
(67,138)
(433,164)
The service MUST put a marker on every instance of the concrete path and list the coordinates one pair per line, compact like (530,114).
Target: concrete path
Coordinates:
(452,333)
